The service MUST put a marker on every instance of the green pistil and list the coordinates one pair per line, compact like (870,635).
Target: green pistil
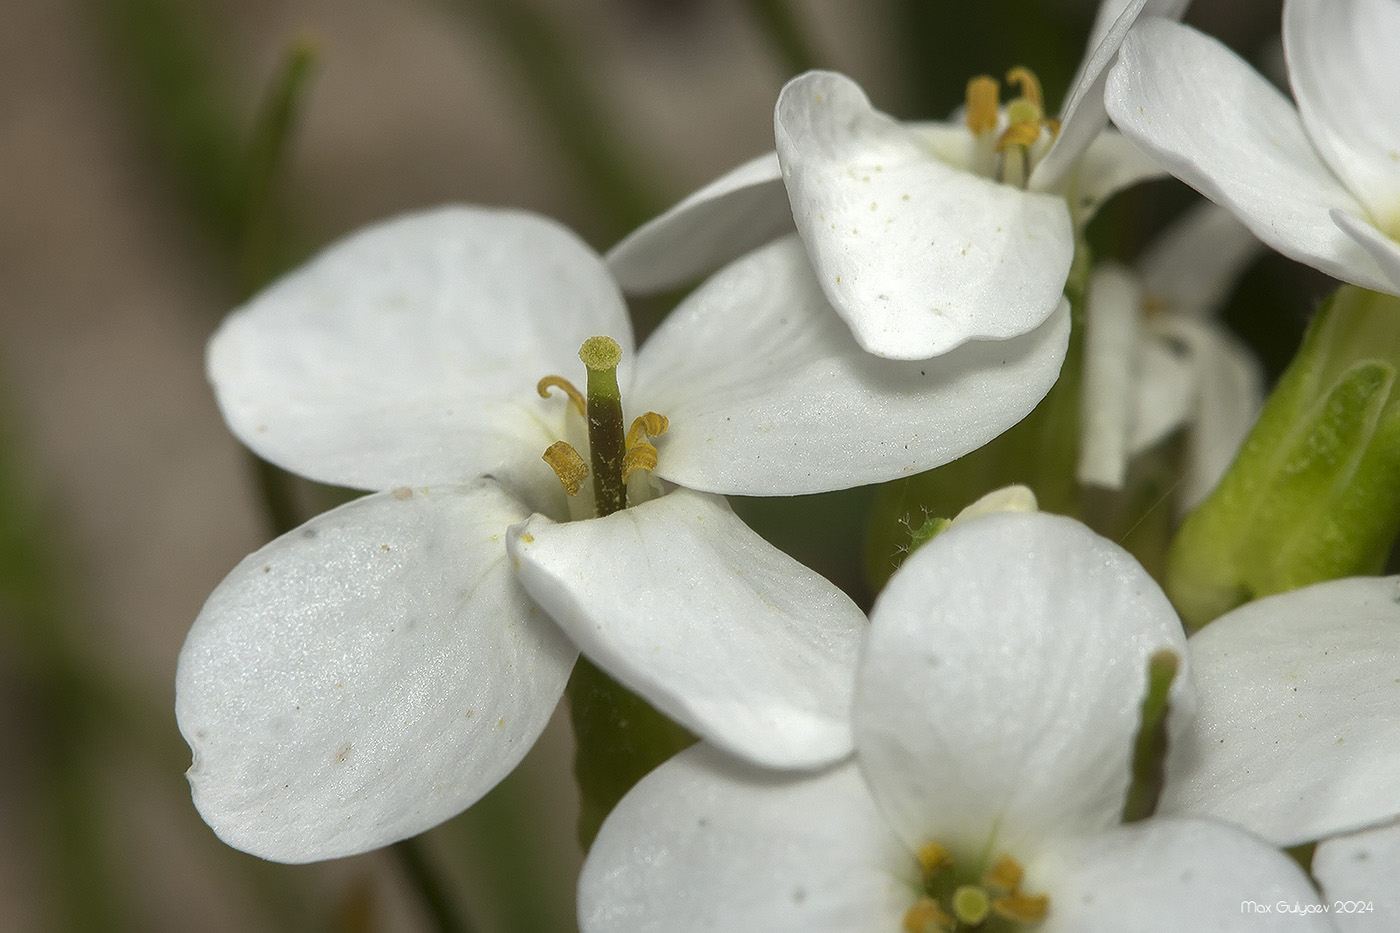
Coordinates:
(605,434)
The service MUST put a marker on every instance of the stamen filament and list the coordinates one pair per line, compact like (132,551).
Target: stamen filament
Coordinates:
(559,382)
(567,465)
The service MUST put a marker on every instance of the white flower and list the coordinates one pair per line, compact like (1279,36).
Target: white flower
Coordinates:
(924,236)
(1318,182)
(1358,875)
(1296,736)
(997,700)
(1156,360)
(376,671)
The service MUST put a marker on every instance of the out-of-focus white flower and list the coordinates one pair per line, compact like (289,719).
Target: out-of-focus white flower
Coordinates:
(377,670)
(1358,875)
(997,701)
(924,236)
(1318,182)
(1156,360)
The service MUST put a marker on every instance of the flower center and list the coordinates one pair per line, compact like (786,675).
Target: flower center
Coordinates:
(1007,144)
(614,456)
(955,900)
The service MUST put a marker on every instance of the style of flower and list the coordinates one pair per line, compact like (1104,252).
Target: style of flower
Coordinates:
(1318,182)
(996,704)
(1156,360)
(924,236)
(377,670)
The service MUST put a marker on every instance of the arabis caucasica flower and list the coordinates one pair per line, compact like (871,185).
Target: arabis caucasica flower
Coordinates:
(924,236)
(997,700)
(1319,181)
(1156,360)
(377,670)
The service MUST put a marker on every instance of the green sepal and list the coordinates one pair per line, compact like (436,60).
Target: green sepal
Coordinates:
(1150,748)
(1314,494)
(619,738)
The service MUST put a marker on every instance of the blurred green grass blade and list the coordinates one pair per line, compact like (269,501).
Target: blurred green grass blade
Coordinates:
(620,192)
(784,33)
(183,105)
(266,155)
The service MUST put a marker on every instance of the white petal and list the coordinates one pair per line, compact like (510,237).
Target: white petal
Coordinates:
(1298,733)
(1228,391)
(723,220)
(1381,248)
(706,843)
(683,604)
(1345,75)
(1358,874)
(1111,163)
(1002,681)
(1110,356)
(1165,876)
(768,394)
(918,256)
(1166,393)
(1213,122)
(408,353)
(1192,267)
(366,676)
(1083,116)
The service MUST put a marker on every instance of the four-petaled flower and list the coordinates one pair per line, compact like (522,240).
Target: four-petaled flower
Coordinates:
(924,236)
(374,672)
(997,700)
(1320,182)
(1155,359)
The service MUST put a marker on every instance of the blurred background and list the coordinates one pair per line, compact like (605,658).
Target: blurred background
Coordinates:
(159,160)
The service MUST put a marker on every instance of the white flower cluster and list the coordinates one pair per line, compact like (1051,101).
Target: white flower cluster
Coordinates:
(889,297)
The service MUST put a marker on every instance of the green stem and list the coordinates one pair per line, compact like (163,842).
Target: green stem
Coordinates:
(619,739)
(415,865)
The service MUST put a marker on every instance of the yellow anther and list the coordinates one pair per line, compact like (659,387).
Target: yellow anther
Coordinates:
(567,465)
(1018,134)
(1004,875)
(971,904)
(559,382)
(640,457)
(1025,908)
(927,917)
(983,94)
(1052,124)
(933,858)
(649,425)
(1025,79)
